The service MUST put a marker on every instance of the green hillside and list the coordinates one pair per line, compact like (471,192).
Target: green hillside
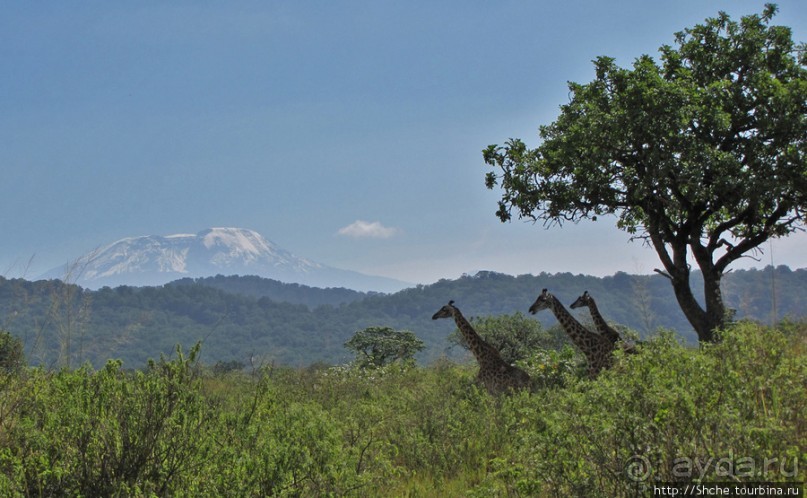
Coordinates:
(249,320)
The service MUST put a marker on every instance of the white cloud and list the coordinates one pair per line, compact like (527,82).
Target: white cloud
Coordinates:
(367,229)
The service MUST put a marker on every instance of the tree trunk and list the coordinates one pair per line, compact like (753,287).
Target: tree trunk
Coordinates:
(705,322)
(715,314)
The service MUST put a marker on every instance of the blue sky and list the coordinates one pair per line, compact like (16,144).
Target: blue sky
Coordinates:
(349,133)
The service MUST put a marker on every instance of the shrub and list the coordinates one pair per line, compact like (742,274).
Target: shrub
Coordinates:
(12,358)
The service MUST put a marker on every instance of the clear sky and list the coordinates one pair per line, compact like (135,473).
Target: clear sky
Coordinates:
(349,133)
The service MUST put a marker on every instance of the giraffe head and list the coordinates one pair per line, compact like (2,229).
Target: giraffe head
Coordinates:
(583,300)
(446,311)
(543,302)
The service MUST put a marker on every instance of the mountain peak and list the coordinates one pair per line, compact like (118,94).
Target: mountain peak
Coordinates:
(157,260)
(236,243)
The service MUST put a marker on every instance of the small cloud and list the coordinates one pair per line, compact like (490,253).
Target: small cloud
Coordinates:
(367,229)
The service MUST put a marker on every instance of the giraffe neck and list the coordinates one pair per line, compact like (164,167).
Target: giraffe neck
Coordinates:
(579,334)
(600,323)
(482,351)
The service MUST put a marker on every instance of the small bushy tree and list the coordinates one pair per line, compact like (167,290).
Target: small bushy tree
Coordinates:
(379,346)
(12,358)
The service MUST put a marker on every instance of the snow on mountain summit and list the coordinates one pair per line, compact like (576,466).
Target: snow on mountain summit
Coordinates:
(239,241)
(239,246)
(232,245)
(234,250)
(156,260)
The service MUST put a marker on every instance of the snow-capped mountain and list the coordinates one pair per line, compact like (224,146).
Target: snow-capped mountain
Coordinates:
(157,260)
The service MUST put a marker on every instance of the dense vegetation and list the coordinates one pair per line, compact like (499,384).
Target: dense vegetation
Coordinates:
(258,287)
(176,428)
(250,323)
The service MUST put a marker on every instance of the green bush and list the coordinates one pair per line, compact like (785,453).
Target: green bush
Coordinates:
(12,358)
(108,433)
(672,413)
(550,367)
(720,412)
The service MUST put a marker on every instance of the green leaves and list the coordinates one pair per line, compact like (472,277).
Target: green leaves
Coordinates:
(379,346)
(108,433)
(12,358)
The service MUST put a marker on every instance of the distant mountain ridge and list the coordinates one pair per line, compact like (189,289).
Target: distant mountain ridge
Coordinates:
(157,260)
(258,287)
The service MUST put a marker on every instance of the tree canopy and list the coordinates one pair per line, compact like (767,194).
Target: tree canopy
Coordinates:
(702,155)
(12,357)
(379,346)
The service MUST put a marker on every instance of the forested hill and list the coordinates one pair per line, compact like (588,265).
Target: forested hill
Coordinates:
(277,291)
(246,319)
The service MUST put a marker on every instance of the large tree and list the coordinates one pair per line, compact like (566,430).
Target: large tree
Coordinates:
(701,156)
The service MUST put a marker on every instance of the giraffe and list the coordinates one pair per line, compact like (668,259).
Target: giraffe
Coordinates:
(494,374)
(599,322)
(595,347)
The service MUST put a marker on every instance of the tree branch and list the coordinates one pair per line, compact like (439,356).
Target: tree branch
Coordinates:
(662,273)
(748,243)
